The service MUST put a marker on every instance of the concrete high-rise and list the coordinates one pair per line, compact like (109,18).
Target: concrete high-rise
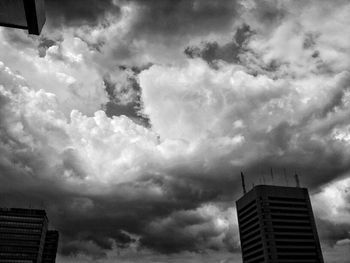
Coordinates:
(276,224)
(23,236)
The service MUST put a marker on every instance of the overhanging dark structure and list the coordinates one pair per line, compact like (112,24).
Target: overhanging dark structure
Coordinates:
(23,14)
(276,225)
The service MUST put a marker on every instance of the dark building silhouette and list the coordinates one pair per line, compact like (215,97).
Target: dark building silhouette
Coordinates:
(24,14)
(50,247)
(24,236)
(276,224)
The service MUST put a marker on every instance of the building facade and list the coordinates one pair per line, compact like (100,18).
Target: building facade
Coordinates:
(50,247)
(23,234)
(276,224)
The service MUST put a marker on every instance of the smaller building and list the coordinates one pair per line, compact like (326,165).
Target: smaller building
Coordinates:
(50,247)
(24,236)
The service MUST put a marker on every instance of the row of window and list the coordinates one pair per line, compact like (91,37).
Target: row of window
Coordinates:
(21,218)
(22,231)
(247,206)
(7,236)
(20,225)
(252,248)
(251,228)
(286,199)
(251,242)
(248,211)
(259,252)
(283,204)
(20,243)
(8,255)
(29,251)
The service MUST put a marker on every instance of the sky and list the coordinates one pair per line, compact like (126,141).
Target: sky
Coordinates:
(129,122)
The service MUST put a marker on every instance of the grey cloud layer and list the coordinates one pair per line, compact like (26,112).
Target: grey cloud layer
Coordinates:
(79,12)
(154,17)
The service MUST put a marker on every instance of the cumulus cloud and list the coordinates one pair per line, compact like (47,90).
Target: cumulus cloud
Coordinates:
(332,203)
(302,32)
(39,144)
(236,113)
(331,206)
(66,70)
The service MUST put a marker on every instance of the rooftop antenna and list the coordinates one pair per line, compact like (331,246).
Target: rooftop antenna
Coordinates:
(285,176)
(271,171)
(297,180)
(243,183)
(263,180)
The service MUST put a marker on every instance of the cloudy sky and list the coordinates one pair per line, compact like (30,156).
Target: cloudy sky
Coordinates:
(129,122)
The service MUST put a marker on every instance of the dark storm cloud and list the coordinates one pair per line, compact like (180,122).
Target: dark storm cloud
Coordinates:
(316,162)
(185,219)
(182,17)
(329,166)
(268,12)
(229,52)
(163,17)
(90,225)
(331,232)
(45,43)
(182,239)
(125,96)
(140,215)
(79,12)
(310,40)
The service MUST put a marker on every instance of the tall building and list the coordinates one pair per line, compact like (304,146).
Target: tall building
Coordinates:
(23,236)
(276,224)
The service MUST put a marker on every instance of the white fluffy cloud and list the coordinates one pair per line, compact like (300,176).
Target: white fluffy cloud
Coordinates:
(308,36)
(67,70)
(196,101)
(332,203)
(230,111)
(95,148)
